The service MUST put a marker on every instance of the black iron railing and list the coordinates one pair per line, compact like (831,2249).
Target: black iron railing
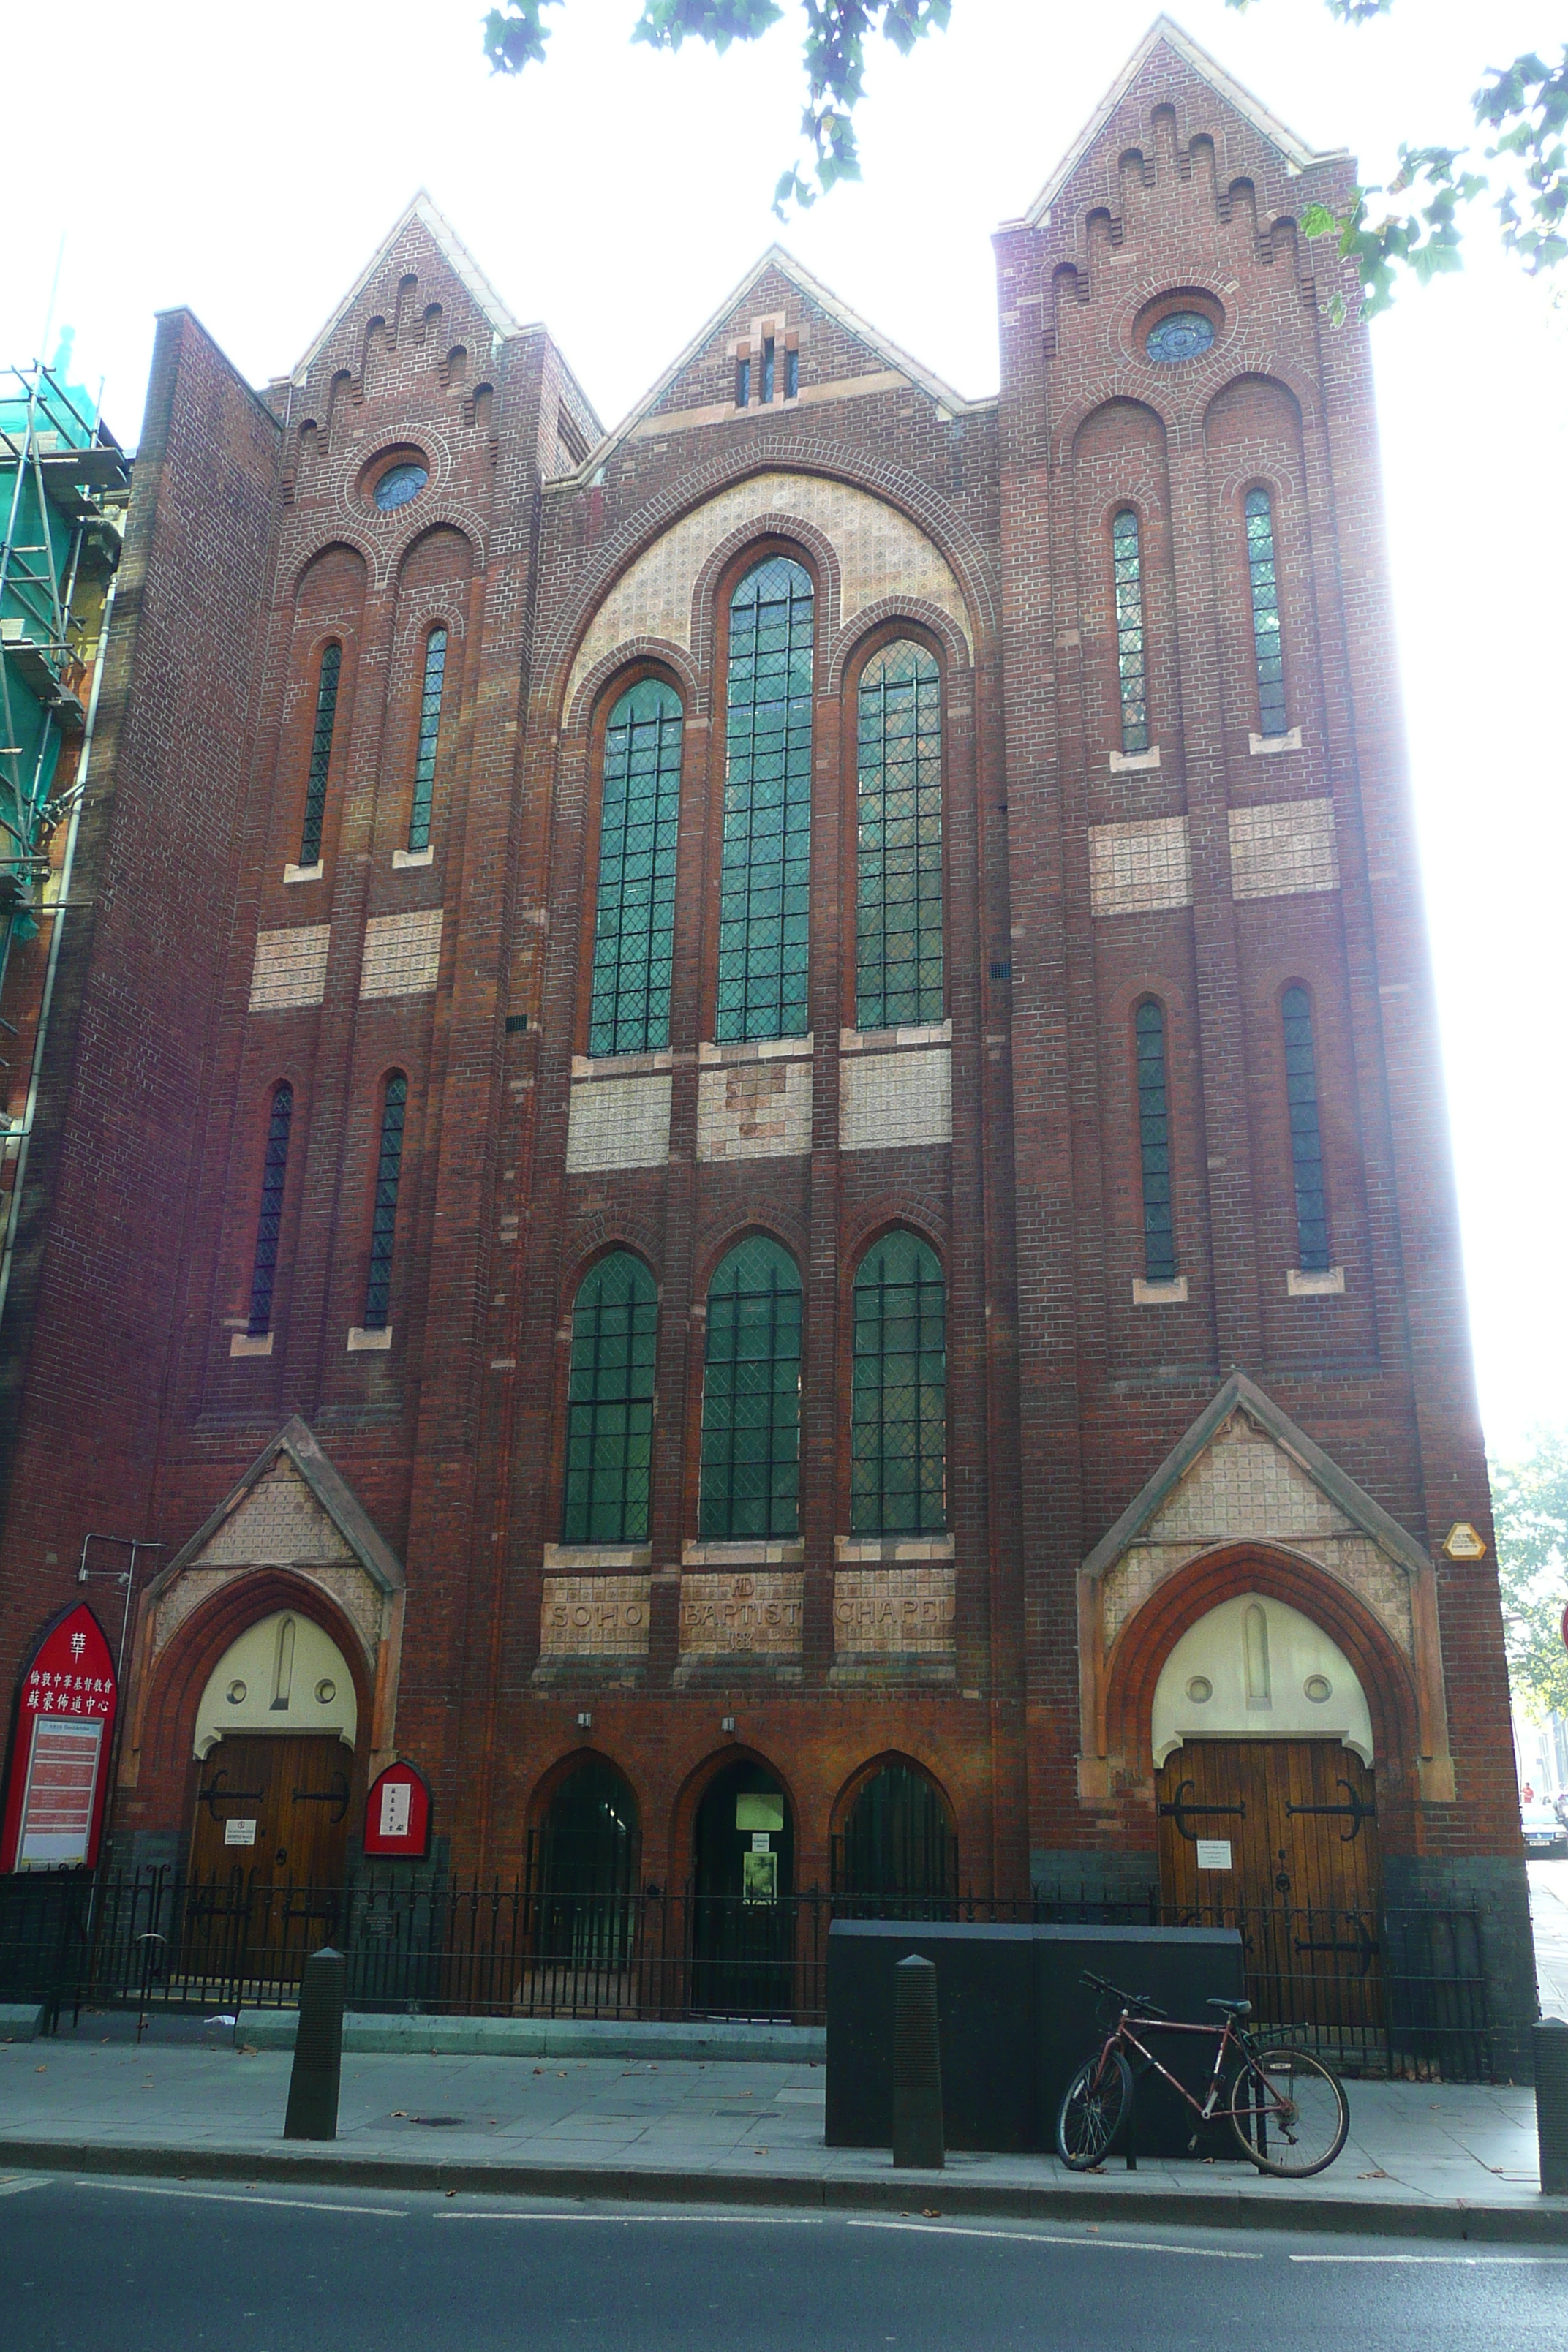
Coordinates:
(1399,1992)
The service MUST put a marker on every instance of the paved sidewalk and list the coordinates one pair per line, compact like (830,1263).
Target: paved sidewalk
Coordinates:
(1423,2158)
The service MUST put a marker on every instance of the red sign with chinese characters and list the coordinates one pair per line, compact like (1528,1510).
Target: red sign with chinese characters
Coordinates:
(397,1815)
(57,1775)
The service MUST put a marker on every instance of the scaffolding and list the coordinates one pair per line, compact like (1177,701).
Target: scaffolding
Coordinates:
(64,483)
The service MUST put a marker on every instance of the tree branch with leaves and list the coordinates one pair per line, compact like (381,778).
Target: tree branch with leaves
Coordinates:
(1529,1512)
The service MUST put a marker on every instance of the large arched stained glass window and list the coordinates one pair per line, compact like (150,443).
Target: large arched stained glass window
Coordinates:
(764,886)
(269,1220)
(899,1411)
(751,1396)
(897,911)
(634,926)
(321,755)
(1265,640)
(609,1403)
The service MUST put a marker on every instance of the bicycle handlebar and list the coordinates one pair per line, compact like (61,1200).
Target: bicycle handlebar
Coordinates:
(1139,2000)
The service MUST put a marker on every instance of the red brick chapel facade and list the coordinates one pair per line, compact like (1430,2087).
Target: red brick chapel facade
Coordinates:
(761,1091)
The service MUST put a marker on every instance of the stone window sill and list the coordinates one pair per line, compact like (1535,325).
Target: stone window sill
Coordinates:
(756,1049)
(365,1343)
(871,1551)
(1325,1282)
(750,1552)
(405,860)
(625,1065)
(883,1041)
(242,1343)
(578,1559)
(1264,747)
(1160,1294)
(1130,764)
(305,873)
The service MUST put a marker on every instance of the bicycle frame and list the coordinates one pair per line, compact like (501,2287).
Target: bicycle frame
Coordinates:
(1227,2037)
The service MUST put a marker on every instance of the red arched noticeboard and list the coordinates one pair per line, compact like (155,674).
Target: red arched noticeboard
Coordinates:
(57,1769)
(398,1815)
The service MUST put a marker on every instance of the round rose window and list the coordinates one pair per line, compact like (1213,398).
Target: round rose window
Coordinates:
(398,485)
(1180,335)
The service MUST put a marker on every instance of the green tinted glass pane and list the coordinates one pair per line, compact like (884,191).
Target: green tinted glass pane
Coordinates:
(1126,566)
(1154,1144)
(430,736)
(762,942)
(898,911)
(751,1396)
(1266,613)
(898,1399)
(609,1409)
(634,924)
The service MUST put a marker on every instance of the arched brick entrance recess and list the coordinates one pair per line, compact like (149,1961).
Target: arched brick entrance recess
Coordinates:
(291,1536)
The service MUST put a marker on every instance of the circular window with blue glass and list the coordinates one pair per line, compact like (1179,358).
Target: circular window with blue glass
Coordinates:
(1179,335)
(399,484)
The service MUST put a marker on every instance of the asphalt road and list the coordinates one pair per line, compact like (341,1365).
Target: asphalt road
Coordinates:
(152,2267)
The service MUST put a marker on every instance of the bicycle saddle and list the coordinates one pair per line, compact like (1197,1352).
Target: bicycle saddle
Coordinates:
(1232,2008)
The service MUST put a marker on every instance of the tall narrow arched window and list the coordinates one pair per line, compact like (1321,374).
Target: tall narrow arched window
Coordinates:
(1306,1137)
(1265,638)
(384,1218)
(898,909)
(640,823)
(1127,569)
(430,736)
(898,1447)
(751,1396)
(1154,1145)
(269,1219)
(609,1403)
(764,904)
(321,755)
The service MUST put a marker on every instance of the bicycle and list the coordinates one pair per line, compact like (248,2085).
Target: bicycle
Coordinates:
(1287,2110)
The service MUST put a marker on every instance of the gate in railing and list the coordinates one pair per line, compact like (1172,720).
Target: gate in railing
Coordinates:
(1402,1991)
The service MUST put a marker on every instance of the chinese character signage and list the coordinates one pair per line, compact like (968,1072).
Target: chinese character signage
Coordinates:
(398,1815)
(58,1769)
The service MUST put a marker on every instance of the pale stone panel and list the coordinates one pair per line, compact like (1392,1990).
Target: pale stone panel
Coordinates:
(290,967)
(893,1100)
(902,1610)
(1243,1484)
(619,1123)
(345,1583)
(1139,869)
(1283,847)
(755,1613)
(1308,1687)
(402,954)
(279,1524)
(594,1617)
(753,1110)
(880,553)
(283,1673)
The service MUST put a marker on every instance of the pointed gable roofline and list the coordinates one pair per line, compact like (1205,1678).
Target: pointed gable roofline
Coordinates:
(452,251)
(775,257)
(1298,156)
(1240,1395)
(335,1497)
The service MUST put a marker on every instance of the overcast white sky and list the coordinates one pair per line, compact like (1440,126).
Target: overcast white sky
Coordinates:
(246,163)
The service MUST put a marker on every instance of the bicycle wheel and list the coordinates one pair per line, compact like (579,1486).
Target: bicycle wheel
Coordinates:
(1288,2112)
(1094,2106)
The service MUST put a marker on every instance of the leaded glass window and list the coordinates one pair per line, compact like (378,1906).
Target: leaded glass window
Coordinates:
(321,755)
(899,1409)
(898,912)
(742,383)
(1265,638)
(768,369)
(269,1221)
(792,374)
(609,1406)
(751,1396)
(634,924)
(1154,1145)
(1127,568)
(764,908)
(430,736)
(384,1219)
(1306,1136)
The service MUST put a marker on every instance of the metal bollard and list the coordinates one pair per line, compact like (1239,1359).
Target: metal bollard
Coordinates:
(917,2066)
(1550,2041)
(317,2050)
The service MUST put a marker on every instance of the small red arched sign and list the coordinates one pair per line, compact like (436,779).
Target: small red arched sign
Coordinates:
(398,1815)
(57,1769)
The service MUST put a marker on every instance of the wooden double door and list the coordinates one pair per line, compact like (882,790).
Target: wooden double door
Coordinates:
(1283,1835)
(266,1855)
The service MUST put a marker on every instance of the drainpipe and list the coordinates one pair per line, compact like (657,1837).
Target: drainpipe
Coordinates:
(58,911)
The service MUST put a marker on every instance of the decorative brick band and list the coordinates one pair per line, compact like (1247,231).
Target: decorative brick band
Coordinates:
(290,967)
